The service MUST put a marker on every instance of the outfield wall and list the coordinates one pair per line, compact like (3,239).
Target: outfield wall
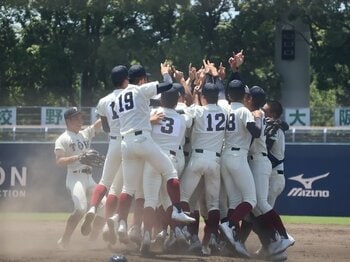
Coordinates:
(317,179)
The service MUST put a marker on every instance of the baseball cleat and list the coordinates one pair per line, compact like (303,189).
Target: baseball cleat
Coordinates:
(291,239)
(279,245)
(195,244)
(213,244)
(170,241)
(145,243)
(135,234)
(111,223)
(159,239)
(231,236)
(206,251)
(105,233)
(186,233)
(279,257)
(63,245)
(180,216)
(123,232)
(87,223)
(226,231)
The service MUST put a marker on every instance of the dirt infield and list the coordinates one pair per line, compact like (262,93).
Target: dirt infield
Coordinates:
(36,241)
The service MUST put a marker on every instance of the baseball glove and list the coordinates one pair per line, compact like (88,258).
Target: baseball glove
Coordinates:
(92,157)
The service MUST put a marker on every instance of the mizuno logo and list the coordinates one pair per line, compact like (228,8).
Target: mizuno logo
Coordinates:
(307,182)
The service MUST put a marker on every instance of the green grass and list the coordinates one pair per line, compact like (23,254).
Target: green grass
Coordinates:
(286,219)
(316,220)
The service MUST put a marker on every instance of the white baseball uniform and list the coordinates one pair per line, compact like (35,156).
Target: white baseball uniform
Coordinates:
(111,172)
(276,155)
(207,138)
(79,176)
(138,146)
(235,171)
(169,135)
(261,168)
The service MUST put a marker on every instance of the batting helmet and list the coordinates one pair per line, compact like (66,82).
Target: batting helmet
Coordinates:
(117,258)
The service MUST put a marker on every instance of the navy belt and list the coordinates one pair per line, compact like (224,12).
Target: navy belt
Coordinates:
(264,154)
(235,148)
(113,137)
(280,172)
(172,152)
(202,151)
(136,133)
(85,171)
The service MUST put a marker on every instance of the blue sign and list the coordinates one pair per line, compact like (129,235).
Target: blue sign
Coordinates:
(317,180)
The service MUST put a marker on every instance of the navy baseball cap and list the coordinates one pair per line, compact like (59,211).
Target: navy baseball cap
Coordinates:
(238,85)
(119,74)
(210,89)
(136,71)
(71,112)
(256,91)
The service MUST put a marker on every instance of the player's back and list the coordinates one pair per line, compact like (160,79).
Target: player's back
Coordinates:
(170,132)
(132,107)
(106,108)
(237,135)
(208,129)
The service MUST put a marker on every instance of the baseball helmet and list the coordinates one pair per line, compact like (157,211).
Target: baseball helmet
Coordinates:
(117,258)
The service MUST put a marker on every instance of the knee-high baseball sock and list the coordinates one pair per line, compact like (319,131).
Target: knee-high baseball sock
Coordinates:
(267,223)
(97,195)
(211,225)
(138,211)
(263,233)
(160,220)
(173,188)
(239,213)
(124,204)
(193,228)
(148,218)
(277,222)
(111,205)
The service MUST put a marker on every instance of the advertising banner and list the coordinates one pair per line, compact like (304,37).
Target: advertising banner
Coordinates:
(317,179)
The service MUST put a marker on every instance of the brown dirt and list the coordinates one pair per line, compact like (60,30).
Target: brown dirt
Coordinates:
(36,241)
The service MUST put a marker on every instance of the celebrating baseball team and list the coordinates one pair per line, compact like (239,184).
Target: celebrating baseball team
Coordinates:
(181,152)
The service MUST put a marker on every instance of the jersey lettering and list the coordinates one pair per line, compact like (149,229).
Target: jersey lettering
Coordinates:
(217,121)
(168,126)
(126,101)
(231,125)
(114,114)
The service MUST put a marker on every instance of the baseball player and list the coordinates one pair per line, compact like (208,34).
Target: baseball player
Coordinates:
(168,133)
(69,148)
(207,138)
(261,169)
(236,174)
(138,147)
(275,141)
(110,124)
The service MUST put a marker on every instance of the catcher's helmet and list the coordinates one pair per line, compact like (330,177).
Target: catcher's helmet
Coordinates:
(117,258)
